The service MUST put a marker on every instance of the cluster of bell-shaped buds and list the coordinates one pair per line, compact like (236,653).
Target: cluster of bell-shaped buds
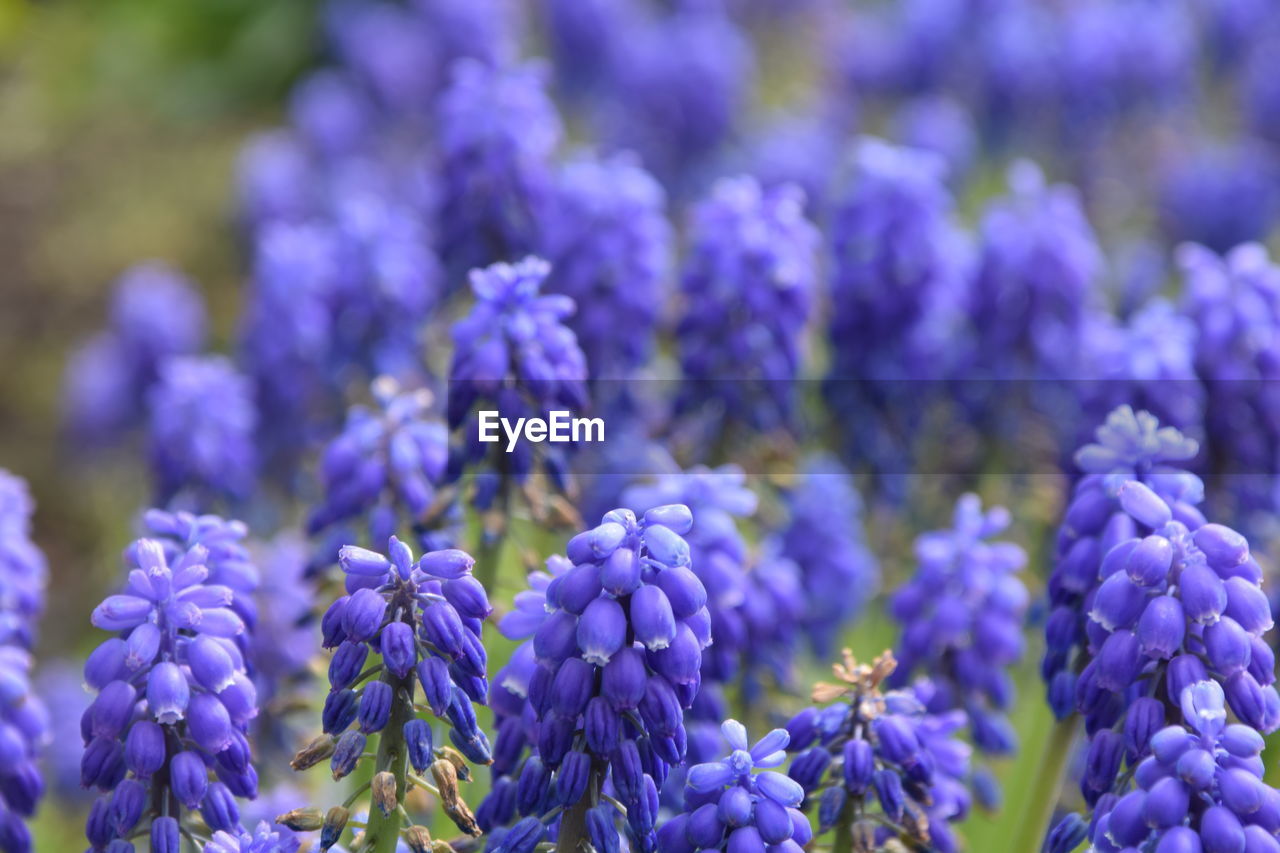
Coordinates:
(1198,787)
(498,131)
(752,261)
(25,725)
(166,732)
(823,536)
(1131,446)
(962,615)
(1234,302)
(263,839)
(24,573)
(423,619)
(754,596)
(599,691)
(203,420)
(729,806)
(610,250)
(513,354)
(156,313)
(876,766)
(384,472)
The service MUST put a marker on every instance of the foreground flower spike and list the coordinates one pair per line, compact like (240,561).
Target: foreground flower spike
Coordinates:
(1234,302)
(1131,446)
(610,250)
(26,728)
(597,695)
(752,261)
(202,429)
(156,313)
(423,618)
(262,840)
(727,806)
(961,616)
(1200,787)
(24,573)
(875,766)
(383,473)
(824,538)
(166,733)
(497,133)
(514,354)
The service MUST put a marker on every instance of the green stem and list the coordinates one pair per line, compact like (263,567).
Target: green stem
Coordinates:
(1047,786)
(383,832)
(843,842)
(487,557)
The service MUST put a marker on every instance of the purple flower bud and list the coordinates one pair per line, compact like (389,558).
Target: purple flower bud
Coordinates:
(680,661)
(1118,602)
(1179,839)
(652,618)
(601,725)
(660,709)
(127,804)
(809,766)
(1144,719)
(601,830)
(524,837)
(1149,561)
(773,821)
(443,628)
(683,589)
(1162,627)
(572,777)
(735,807)
(573,685)
(596,544)
(363,562)
(375,706)
(144,749)
(1167,803)
(1223,547)
(1203,594)
(210,663)
(188,778)
(347,753)
(105,663)
(623,680)
(1248,700)
(1227,646)
(1248,605)
(399,652)
(219,809)
(678,517)
(889,792)
(168,693)
(164,835)
(362,615)
(331,623)
(121,612)
(1102,763)
(601,630)
(1184,670)
(1144,505)
(339,710)
(781,789)
(1196,767)
(468,597)
(112,709)
(208,723)
(557,637)
(709,777)
(346,664)
(555,738)
(627,772)
(1241,791)
(448,564)
(1126,821)
(831,806)
(666,547)
(531,787)
(433,675)
(1220,830)
(859,764)
(620,574)
(1119,661)
(143,646)
(418,740)
(578,587)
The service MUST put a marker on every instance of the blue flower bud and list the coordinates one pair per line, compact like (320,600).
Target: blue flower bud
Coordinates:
(678,517)
(468,597)
(1248,605)
(1162,627)
(144,751)
(346,664)
(1067,835)
(1119,661)
(1139,501)
(660,709)
(112,709)
(555,739)
(189,778)
(577,588)
(331,623)
(418,744)
(557,637)
(1223,547)
(1227,646)
(361,561)
(781,789)
(362,615)
(448,564)
(437,688)
(601,631)
(1203,594)
(1102,763)
(1248,700)
(1148,563)
(399,652)
(745,839)
(859,764)
(573,777)
(680,662)
(888,787)
(897,740)
(443,628)
(219,809)
(627,770)
(601,726)
(164,835)
(1167,803)
(601,829)
(532,786)
(620,574)
(735,807)
(1125,821)
(808,768)
(573,685)
(1179,839)
(127,804)
(1241,791)
(143,645)
(523,837)
(339,711)
(624,678)
(208,723)
(98,827)
(168,693)
(106,663)
(1118,602)
(1144,719)
(1220,830)
(346,754)
(666,547)
(802,728)
(683,589)
(375,706)
(1184,670)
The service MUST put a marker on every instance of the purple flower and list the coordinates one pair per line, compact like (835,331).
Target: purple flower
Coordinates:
(24,574)
(176,648)
(610,250)
(824,538)
(752,260)
(1219,194)
(264,839)
(497,133)
(201,437)
(962,615)
(156,313)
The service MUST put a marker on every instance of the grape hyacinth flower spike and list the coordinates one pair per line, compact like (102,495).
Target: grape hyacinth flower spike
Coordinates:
(385,471)
(875,766)
(165,735)
(423,619)
(599,691)
(740,803)
(962,615)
